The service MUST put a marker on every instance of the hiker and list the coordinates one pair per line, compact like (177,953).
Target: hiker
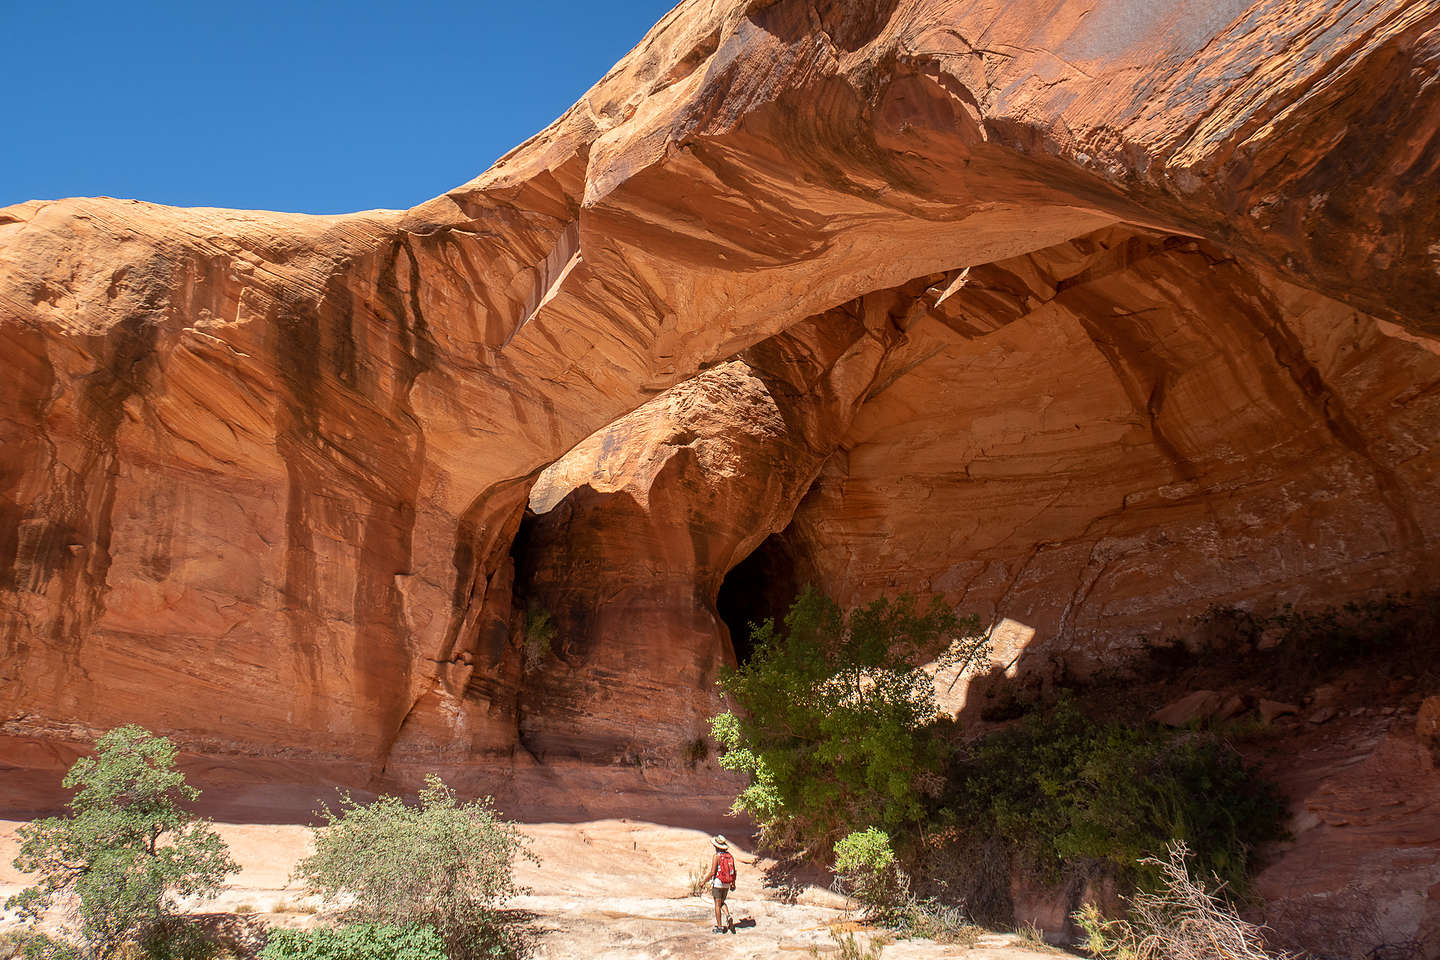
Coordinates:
(722,880)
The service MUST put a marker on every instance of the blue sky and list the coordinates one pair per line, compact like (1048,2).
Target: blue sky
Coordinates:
(317,107)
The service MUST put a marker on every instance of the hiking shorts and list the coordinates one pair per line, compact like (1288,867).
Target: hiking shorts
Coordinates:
(719,893)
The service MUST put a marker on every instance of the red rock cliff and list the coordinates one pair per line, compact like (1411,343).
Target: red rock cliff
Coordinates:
(1159,329)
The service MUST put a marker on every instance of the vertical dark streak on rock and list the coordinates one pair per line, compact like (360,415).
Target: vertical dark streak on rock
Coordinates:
(298,355)
(27,447)
(1141,374)
(1290,354)
(383,650)
(339,307)
(75,520)
(300,575)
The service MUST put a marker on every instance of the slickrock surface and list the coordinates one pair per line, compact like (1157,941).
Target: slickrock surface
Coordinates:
(607,889)
(1082,314)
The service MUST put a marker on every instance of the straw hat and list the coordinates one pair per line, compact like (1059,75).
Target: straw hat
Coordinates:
(720,842)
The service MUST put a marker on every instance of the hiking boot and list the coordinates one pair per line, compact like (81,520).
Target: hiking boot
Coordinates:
(717,930)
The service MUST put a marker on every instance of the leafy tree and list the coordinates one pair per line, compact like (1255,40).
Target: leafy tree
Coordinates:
(127,851)
(445,864)
(832,711)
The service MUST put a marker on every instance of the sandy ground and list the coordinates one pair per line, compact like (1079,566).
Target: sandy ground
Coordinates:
(612,889)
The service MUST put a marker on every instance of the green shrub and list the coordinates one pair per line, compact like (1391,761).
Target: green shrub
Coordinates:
(1065,791)
(126,852)
(866,868)
(864,851)
(866,865)
(360,941)
(830,716)
(443,863)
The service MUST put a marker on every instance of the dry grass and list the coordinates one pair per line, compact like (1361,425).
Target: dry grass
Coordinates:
(1182,921)
(699,879)
(295,905)
(1032,938)
(10,944)
(849,947)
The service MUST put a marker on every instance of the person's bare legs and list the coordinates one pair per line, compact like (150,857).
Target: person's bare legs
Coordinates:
(718,905)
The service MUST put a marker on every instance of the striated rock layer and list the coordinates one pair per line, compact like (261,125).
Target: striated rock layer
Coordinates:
(1099,438)
(1135,312)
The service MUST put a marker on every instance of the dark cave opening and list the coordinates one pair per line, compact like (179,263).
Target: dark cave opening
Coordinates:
(760,587)
(520,551)
(530,615)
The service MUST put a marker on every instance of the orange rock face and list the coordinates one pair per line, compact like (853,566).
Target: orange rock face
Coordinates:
(1085,315)
(1124,429)
(634,529)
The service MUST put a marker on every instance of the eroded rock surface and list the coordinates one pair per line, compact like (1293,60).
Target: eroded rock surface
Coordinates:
(1170,338)
(635,528)
(1103,437)
(1363,870)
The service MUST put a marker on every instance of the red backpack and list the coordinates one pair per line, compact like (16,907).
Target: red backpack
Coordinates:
(725,871)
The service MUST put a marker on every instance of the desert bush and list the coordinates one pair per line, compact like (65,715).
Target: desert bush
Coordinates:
(1315,642)
(1066,792)
(867,870)
(43,946)
(441,863)
(359,941)
(32,945)
(697,751)
(124,856)
(830,712)
(1309,644)
(1179,920)
(929,919)
(865,863)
